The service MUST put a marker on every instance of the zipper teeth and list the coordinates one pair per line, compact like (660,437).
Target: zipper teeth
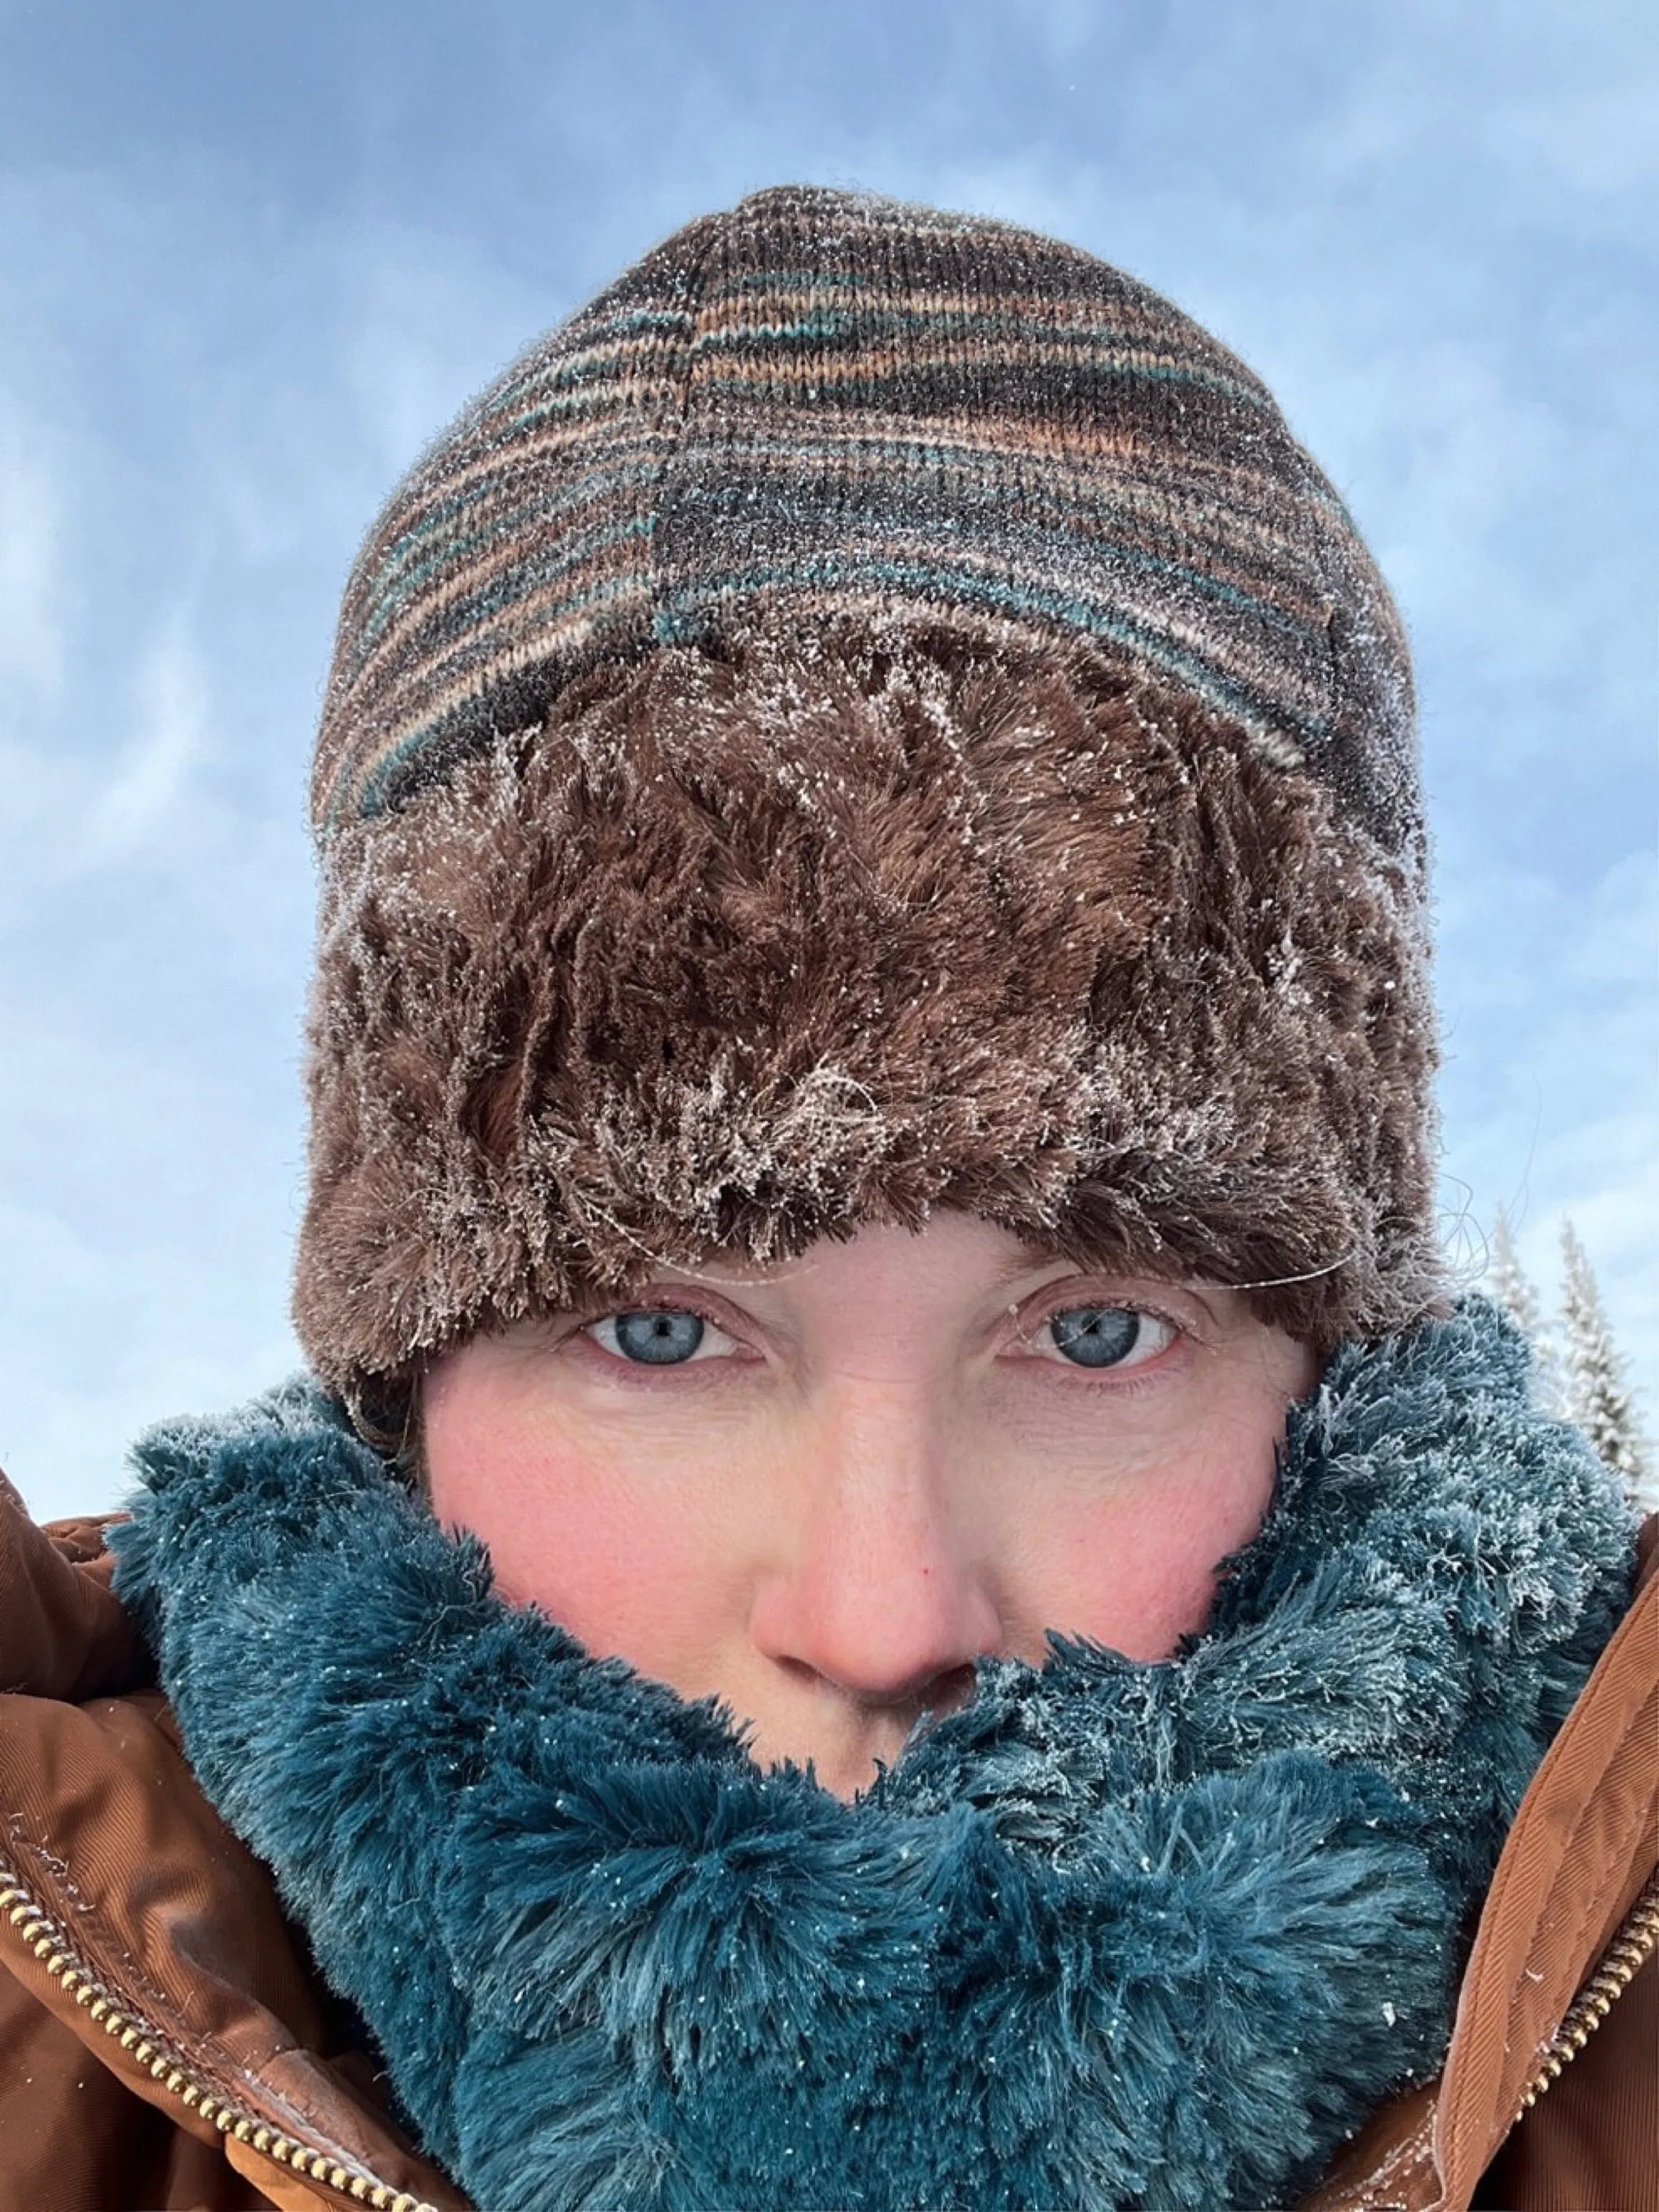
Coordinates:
(1623,1960)
(43,1936)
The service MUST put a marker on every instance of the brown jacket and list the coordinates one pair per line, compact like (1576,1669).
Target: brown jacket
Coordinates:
(163,2041)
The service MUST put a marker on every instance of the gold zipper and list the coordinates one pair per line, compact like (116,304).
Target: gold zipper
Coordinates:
(149,2047)
(1624,1957)
(1623,1960)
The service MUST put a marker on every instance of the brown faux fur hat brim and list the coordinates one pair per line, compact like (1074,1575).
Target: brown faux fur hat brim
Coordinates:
(731,951)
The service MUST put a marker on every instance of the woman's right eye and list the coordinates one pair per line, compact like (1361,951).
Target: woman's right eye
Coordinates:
(659,1336)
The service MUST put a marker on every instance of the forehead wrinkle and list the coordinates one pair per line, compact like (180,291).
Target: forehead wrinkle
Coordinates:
(1028,1258)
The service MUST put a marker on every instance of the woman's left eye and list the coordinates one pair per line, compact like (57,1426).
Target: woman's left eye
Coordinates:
(1107,1336)
(659,1336)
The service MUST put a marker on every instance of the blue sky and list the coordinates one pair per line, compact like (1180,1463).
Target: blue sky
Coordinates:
(250,259)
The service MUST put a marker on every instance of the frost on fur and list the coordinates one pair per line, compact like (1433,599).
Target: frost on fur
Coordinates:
(1115,1934)
(738,951)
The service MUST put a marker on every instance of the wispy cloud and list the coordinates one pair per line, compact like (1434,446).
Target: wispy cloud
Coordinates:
(147,775)
(31,632)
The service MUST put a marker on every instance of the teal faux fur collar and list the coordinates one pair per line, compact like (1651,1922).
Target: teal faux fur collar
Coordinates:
(1116,1935)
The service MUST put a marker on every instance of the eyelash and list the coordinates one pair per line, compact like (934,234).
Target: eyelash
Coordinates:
(1114,1378)
(648,1305)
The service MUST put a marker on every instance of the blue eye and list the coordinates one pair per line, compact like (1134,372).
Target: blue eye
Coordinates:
(658,1337)
(1107,1336)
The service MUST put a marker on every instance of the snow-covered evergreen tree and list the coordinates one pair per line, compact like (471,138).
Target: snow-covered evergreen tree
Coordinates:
(1509,1283)
(1598,1396)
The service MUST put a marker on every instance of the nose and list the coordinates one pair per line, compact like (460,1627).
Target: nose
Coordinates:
(881,1591)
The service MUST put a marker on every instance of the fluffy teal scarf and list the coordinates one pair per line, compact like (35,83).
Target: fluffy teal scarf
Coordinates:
(1116,1935)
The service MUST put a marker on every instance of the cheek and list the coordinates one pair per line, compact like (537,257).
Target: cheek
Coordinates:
(570,1528)
(1136,1569)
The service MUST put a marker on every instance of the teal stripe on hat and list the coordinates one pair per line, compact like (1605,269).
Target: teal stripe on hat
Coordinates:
(1134,485)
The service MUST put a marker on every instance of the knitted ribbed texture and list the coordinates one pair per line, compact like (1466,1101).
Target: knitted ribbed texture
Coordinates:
(834,398)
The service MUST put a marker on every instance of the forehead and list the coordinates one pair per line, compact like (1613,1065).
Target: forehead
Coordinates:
(1001,1251)
(992,1253)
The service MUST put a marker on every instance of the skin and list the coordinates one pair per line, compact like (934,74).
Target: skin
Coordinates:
(879,1463)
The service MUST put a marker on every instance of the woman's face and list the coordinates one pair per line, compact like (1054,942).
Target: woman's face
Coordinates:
(822,1489)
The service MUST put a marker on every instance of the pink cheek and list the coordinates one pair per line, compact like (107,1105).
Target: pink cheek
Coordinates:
(1141,1592)
(567,1537)
(1144,1571)
(571,1567)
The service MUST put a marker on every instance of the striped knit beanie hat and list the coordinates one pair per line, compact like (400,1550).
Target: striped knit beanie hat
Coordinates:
(875,713)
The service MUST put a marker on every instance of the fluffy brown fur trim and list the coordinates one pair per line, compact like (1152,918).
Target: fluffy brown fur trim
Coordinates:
(734,952)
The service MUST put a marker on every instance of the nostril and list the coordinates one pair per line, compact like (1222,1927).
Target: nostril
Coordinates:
(949,1692)
(888,1635)
(946,1691)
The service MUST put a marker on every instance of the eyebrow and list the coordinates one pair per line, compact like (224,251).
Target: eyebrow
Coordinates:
(1027,1260)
